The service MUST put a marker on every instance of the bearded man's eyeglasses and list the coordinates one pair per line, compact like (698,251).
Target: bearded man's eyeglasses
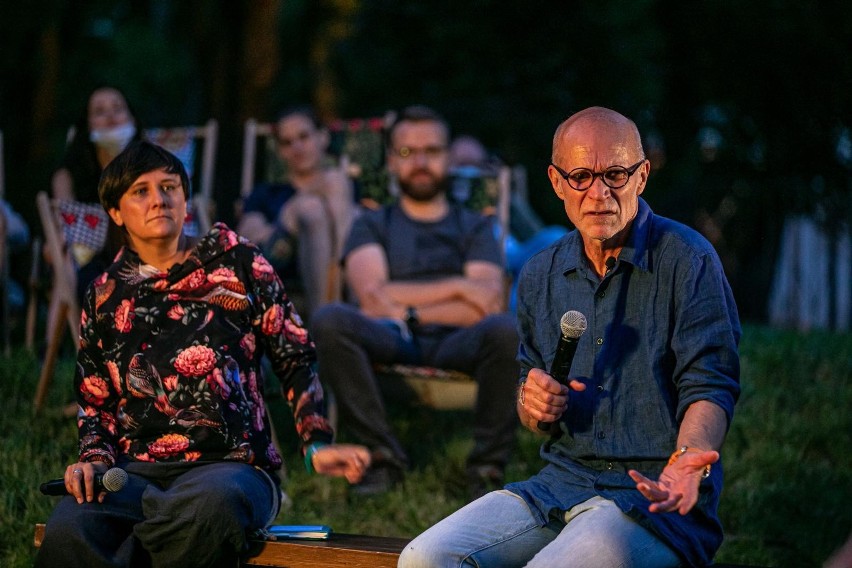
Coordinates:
(429,152)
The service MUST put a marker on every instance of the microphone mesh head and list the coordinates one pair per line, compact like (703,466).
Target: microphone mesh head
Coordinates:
(114,479)
(572,324)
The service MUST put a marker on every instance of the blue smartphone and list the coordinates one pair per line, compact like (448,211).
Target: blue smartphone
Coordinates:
(306,532)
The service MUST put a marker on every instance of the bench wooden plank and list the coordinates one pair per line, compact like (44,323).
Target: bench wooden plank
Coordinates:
(339,551)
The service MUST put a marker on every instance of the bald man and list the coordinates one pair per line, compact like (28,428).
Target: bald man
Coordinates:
(633,473)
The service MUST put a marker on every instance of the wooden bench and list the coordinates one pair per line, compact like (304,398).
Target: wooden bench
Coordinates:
(339,551)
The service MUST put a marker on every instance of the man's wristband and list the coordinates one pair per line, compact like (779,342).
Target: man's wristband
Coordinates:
(309,454)
(682,450)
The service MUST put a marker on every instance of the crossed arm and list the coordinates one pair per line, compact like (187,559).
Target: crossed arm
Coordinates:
(454,300)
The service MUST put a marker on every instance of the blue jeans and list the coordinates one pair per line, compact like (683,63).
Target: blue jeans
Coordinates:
(199,518)
(498,530)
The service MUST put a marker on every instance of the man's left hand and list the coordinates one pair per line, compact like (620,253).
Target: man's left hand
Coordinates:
(677,487)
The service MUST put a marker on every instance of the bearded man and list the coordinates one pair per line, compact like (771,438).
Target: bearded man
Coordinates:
(427,275)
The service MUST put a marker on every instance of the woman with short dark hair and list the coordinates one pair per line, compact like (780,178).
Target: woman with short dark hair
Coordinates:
(170,390)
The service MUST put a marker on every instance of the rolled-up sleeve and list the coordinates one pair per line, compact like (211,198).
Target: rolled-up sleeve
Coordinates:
(706,335)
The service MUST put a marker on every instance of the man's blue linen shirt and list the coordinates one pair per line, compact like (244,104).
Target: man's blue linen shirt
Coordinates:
(662,334)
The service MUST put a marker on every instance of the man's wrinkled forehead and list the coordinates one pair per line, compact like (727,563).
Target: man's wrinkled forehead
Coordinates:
(590,151)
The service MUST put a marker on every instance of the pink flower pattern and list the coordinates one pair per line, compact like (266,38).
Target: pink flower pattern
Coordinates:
(191,282)
(273,320)
(195,361)
(124,315)
(198,393)
(261,269)
(168,445)
(295,333)
(94,389)
(248,345)
(222,275)
(114,376)
(176,312)
(170,383)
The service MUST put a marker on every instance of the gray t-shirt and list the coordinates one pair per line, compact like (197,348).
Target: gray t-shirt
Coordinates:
(427,251)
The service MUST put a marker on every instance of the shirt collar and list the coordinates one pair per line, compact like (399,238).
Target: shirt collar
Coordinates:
(636,250)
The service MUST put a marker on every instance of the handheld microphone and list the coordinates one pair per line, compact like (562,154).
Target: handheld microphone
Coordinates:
(113,480)
(572,325)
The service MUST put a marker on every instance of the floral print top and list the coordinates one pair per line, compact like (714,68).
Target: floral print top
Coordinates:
(169,362)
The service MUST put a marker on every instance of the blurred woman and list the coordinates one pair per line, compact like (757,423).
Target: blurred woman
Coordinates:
(169,388)
(102,130)
(301,224)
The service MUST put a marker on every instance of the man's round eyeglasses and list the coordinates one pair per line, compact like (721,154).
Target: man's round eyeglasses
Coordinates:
(614,177)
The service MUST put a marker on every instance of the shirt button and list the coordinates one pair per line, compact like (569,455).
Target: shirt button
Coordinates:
(609,465)
(599,341)
(601,294)
(600,388)
(601,435)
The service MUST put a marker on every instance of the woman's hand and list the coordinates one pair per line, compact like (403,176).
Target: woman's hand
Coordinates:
(346,460)
(80,481)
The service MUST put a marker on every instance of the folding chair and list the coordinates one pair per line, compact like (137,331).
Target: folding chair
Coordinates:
(182,141)
(357,143)
(73,232)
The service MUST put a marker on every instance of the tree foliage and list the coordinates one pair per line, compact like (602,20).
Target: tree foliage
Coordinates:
(744,106)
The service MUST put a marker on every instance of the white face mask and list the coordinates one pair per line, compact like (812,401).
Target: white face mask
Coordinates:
(113,140)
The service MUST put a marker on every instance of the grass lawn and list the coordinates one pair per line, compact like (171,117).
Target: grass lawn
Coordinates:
(788,458)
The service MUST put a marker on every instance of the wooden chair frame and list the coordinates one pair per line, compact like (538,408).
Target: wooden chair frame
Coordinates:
(63,296)
(202,203)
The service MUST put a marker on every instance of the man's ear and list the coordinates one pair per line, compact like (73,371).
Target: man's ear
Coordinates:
(115,215)
(555,177)
(644,172)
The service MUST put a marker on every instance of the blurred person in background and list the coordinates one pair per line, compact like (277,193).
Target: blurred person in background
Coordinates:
(17,236)
(470,159)
(428,277)
(301,224)
(104,127)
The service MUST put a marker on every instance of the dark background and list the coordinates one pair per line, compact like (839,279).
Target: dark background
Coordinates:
(745,106)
